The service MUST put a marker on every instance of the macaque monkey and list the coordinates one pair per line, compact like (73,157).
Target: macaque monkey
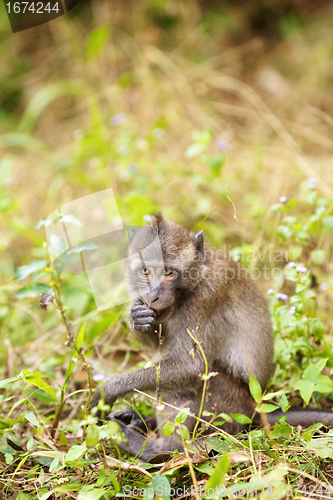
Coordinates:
(180,284)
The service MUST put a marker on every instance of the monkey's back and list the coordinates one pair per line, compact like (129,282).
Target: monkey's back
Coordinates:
(230,318)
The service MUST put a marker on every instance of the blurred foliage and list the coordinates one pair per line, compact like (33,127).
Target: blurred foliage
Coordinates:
(211,114)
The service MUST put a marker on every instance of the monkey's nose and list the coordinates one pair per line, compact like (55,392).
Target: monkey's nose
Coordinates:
(152,296)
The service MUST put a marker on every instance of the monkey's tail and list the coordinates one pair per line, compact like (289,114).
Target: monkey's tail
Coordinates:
(302,417)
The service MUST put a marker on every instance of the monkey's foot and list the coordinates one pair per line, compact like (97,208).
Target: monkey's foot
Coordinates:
(132,418)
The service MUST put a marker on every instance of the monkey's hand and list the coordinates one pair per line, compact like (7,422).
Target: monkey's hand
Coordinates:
(143,317)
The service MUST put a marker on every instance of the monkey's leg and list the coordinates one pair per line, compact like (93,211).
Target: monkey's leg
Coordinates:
(156,444)
(229,395)
(138,444)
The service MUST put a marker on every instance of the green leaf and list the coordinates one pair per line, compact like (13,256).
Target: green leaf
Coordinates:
(4,446)
(9,458)
(46,495)
(21,496)
(30,443)
(80,337)
(266,408)
(255,389)
(37,380)
(312,372)
(62,439)
(24,271)
(31,291)
(25,141)
(168,429)
(7,381)
(322,446)
(318,257)
(55,462)
(215,163)
(70,368)
(96,40)
(217,478)
(277,207)
(87,245)
(183,430)
(205,467)
(218,444)
(284,403)
(284,232)
(71,219)
(94,494)
(44,222)
(182,416)
(92,437)
(241,419)
(306,389)
(292,203)
(31,417)
(194,150)
(161,486)
(295,252)
(328,221)
(316,328)
(75,453)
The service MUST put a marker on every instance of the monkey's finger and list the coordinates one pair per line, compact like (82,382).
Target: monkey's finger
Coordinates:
(145,319)
(142,311)
(138,302)
(143,327)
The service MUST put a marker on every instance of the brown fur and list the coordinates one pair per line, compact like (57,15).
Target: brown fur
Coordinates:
(212,297)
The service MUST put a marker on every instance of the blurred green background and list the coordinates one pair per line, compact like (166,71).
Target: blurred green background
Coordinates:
(208,111)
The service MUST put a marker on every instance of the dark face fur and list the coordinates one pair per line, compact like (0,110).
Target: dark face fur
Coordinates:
(162,258)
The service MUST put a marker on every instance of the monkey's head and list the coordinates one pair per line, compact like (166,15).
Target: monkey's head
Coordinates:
(164,262)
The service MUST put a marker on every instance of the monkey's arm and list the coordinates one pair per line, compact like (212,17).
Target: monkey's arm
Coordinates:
(173,375)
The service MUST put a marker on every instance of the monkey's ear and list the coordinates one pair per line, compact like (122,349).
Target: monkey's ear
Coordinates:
(131,234)
(199,245)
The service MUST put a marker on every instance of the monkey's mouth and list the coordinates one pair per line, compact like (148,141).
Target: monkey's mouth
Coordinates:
(163,314)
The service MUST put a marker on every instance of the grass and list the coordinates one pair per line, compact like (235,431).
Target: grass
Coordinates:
(211,125)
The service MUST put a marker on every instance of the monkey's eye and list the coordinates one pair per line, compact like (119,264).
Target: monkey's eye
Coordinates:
(167,271)
(145,271)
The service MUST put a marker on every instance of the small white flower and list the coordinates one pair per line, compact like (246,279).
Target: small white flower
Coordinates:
(312,183)
(78,134)
(123,150)
(292,310)
(222,145)
(282,296)
(158,132)
(117,119)
(282,199)
(6,181)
